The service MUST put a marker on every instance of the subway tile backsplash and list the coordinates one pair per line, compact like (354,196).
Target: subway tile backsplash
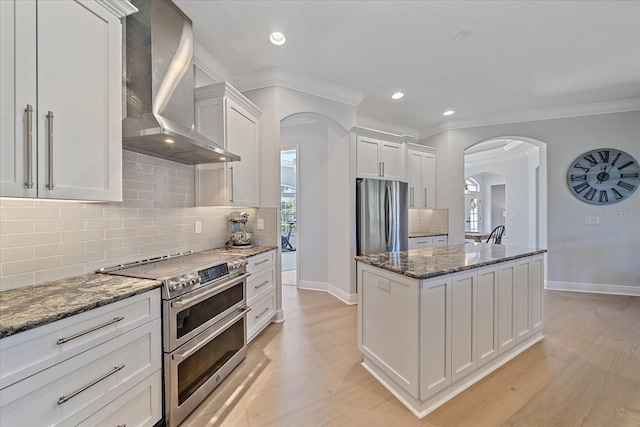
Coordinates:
(43,240)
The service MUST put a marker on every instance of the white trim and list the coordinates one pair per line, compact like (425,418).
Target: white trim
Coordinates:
(278,77)
(378,134)
(312,286)
(495,155)
(367,122)
(210,65)
(350,299)
(225,89)
(593,288)
(279,317)
(119,8)
(609,107)
(422,148)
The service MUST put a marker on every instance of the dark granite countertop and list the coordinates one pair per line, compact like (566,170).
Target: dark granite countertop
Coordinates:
(425,234)
(438,261)
(29,307)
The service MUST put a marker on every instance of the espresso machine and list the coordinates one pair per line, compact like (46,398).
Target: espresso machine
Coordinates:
(240,238)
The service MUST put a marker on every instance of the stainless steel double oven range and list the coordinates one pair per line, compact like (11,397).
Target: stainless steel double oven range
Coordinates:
(203,320)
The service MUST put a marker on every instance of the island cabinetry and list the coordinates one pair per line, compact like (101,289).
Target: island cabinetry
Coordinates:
(467,323)
(422,176)
(427,242)
(227,117)
(79,367)
(379,159)
(61,116)
(388,305)
(261,292)
(435,336)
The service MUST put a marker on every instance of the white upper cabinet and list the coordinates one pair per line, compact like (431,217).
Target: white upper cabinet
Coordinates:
(422,177)
(61,103)
(224,115)
(380,159)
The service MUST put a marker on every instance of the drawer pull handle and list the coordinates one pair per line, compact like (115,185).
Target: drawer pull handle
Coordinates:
(50,150)
(262,314)
(261,285)
(88,331)
(262,262)
(91,384)
(122,425)
(422,243)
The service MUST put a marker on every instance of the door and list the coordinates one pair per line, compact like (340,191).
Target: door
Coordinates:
(428,181)
(415,179)
(368,163)
(392,161)
(242,138)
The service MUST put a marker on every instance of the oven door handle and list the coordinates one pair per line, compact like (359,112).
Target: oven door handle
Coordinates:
(187,301)
(187,353)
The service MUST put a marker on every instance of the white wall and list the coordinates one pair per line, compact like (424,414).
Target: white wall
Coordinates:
(602,258)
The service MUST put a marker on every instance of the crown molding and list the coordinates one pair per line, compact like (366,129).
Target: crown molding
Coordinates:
(225,89)
(423,148)
(209,65)
(367,122)
(380,134)
(119,8)
(279,77)
(609,107)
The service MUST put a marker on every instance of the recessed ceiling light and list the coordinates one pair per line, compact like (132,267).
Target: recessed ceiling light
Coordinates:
(169,141)
(397,95)
(223,158)
(277,38)
(448,113)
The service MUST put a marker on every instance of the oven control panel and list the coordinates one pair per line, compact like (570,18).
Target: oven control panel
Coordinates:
(213,273)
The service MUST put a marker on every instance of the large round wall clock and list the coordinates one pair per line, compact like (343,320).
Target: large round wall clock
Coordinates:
(603,176)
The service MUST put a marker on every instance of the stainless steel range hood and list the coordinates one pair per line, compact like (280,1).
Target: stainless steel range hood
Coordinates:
(160,81)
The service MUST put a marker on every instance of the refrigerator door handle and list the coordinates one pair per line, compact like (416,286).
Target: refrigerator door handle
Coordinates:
(387,218)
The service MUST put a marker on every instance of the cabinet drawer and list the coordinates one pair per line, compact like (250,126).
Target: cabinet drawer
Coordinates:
(440,241)
(420,242)
(260,262)
(260,284)
(139,406)
(32,351)
(71,391)
(260,315)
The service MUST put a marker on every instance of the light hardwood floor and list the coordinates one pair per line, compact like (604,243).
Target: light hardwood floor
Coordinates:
(306,372)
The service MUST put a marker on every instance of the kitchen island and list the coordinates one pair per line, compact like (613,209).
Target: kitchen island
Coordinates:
(433,321)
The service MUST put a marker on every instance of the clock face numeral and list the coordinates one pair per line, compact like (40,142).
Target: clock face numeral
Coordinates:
(579,166)
(625,165)
(589,195)
(616,159)
(592,160)
(604,156)
(603,196)
(616,194)
(580,188)
(592,179)
(626,185)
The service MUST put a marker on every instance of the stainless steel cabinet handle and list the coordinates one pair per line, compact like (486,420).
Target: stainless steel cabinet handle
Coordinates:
(231,184)
(422,243)
(50,145)
(262,314)
(382,168)
(413,201)
(91,384)
(425,197)
(262,262)
(221,329)
(29,111)
(261,285)
(95,328)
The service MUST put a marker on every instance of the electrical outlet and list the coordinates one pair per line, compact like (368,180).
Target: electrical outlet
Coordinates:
(592,220)
(260,224)
(197,227)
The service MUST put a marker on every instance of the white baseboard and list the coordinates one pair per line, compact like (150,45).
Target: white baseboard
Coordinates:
(312,286)
(593,288)
(346,298)
(279,318)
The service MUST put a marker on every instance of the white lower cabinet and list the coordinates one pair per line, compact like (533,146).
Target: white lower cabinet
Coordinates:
(261,292)
(465,325)
(106,362)
(427,242)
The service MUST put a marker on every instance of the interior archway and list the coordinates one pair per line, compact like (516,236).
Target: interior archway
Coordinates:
(518,163)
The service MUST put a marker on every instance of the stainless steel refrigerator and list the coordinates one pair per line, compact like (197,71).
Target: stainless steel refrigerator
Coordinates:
(382,216)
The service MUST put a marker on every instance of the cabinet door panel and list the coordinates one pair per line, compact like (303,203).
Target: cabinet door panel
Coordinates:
(537,291)
(522,298)
(464,318)
(507,307)
(392,161)
(17,90)
(242,140)
(415,180)
(487,314)
(368,163)
(428,181)
(435,336)
(79,80)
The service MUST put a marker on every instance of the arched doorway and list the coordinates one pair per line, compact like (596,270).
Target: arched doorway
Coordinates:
(511,174)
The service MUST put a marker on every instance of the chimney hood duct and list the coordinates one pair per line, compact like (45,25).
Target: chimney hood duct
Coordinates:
(160,83)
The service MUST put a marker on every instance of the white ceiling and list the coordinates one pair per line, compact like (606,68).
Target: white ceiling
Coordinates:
(520,56)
